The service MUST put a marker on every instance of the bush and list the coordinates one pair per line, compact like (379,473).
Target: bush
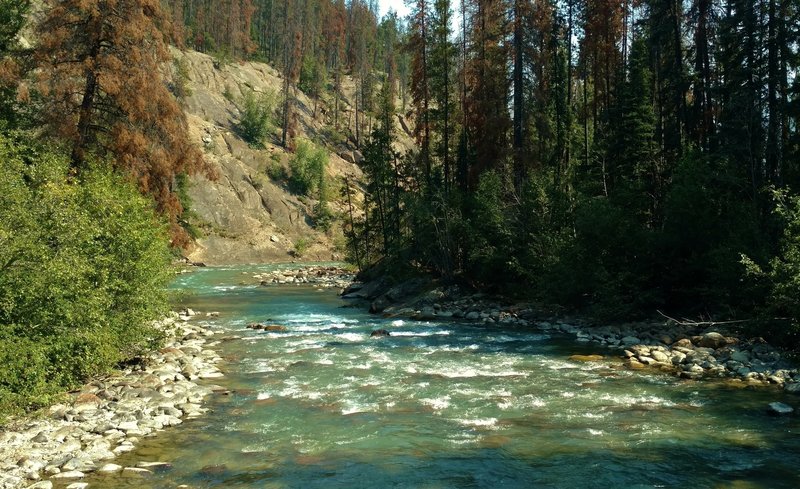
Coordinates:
(307,169)
(781,276)
(83,268)
(300,247)
(180,78)
(257,117)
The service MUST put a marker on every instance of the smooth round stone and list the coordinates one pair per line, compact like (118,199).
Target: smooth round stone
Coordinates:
(110,468)
(70,474)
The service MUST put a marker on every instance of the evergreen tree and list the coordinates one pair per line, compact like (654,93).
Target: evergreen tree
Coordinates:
(101,81)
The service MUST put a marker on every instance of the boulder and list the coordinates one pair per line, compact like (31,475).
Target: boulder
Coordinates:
(379,333)
(631,340)
(426,313)
(678,357)
(793,388)
(660,356)
(683,343)
(712,340)
(71,474)
(741,356)
(380,304)
(634,364)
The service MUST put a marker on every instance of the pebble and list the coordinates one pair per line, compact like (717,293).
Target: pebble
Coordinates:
(108,416)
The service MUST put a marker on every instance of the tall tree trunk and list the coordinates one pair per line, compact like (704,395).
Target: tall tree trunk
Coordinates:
(86,112)
(774,139)
(519,102)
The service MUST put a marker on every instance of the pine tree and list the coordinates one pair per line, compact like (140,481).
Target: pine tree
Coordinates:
(442,55)
(486,108)
(418,45)
(100,75)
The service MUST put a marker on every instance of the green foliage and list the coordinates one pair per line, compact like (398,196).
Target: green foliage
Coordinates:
(312,76)
(12,18)
(490,256)
(307,170)
(324,218)
(188,217)
(781,275)
(707,226)
(301,246)
(180,78)
(83,265)
(277,172)
(257,117)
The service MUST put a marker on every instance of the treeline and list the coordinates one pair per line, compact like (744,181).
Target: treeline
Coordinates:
(624,157)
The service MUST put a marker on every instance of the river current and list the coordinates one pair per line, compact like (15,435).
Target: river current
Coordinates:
(446,405)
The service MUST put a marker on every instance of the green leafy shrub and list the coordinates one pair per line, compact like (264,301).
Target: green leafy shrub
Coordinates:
(781,275)
(180,78)
(307,170)
(257,116)
(83,268)
(301,246)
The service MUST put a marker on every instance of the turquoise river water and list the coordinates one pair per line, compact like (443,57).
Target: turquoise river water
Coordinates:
(447,405)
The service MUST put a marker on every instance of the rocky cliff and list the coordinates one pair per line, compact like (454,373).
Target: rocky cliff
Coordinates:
(245,216)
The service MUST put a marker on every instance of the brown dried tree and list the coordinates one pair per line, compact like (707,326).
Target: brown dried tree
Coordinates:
(105,94)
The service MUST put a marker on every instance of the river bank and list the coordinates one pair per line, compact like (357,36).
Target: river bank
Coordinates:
(109,416)
(691,351)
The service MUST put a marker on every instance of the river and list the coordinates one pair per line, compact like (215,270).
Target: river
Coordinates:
(446,405)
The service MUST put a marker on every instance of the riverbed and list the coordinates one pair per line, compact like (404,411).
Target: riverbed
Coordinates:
(445,405)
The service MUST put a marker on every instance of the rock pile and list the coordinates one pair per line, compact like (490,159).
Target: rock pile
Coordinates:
(108,416)
(690,353)
(319,276)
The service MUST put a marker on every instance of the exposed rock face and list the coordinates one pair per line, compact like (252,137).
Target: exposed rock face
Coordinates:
(245,216)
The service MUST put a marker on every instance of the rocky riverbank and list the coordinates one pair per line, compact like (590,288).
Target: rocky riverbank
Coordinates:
(691,351)
(108,416)
(319,276)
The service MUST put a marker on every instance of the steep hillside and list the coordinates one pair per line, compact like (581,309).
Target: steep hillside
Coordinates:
(246,216)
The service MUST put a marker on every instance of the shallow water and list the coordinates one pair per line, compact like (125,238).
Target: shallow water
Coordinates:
(446,405)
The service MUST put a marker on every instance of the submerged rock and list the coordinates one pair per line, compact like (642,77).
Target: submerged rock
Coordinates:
(779,408)
(586,358)
(379,333)
(274,327)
